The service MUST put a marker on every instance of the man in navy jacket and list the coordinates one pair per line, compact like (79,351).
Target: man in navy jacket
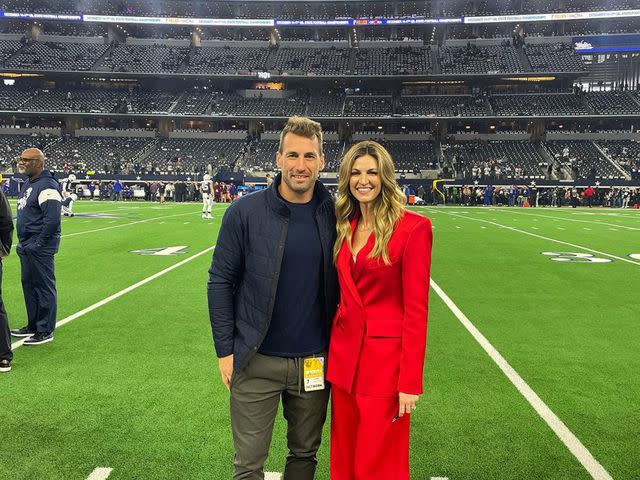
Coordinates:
(272,293)
(38,227)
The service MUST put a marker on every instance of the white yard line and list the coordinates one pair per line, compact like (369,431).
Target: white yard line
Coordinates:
(122,292)
(596,222)
(100,473)
(575,446)
(67,235)
(549,239)
(134,209)
(272,476)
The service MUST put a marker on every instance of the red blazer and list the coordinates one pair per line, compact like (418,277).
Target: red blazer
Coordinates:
(379,333)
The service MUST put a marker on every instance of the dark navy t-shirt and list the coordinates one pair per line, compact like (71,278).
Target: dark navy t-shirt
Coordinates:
(298,326)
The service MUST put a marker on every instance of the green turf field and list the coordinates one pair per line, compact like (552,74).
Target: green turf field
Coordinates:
(133,384)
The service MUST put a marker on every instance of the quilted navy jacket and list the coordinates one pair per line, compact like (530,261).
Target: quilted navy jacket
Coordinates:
(245,268)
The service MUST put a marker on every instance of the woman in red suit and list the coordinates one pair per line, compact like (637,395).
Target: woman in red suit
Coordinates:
(377,348)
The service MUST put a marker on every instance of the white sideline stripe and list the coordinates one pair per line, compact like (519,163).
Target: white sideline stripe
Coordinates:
(562,242)
(119,294)
(439,478)
(272,476)
(596,222)
(100,473)
(591,465)
(139,209)
(127,224)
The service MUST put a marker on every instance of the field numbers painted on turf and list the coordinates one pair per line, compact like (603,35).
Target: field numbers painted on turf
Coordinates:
(575,257)
(162,251)
(100,473)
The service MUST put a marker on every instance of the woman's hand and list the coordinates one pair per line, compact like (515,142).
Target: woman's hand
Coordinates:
(407,403)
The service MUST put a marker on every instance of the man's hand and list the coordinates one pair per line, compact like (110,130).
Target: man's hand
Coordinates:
(407,403)
(226,370)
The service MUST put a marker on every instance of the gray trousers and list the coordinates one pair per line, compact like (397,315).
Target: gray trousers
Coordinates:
(255,396)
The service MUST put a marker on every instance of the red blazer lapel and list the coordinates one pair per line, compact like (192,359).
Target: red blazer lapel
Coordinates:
(344,267)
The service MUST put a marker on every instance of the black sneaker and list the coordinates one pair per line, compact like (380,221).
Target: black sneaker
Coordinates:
(5,365)
(39,338)
(22,332)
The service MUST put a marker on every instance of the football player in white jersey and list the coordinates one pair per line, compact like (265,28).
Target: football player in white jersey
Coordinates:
(67,203)
(67,183)
(206,188)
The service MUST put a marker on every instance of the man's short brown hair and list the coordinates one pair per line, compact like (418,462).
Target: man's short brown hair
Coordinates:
(305,127)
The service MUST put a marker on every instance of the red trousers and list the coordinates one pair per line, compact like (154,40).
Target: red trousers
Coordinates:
(365,443)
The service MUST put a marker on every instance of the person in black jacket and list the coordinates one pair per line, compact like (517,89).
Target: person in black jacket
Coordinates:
(6,238)
(272,296)
(38,226)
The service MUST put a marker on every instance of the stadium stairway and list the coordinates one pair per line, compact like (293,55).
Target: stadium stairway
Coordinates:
(150,149)
(435,62)
(585,103)
(351,66)
(626,174)
(544,151)
(52,143)
(101,58)
(440,158)
(634,98)
(488,107)
(546,155)
(17,52)
(175,102)
(524,60)
(271,60)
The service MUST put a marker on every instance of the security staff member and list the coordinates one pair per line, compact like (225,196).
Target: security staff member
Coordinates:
(38,226)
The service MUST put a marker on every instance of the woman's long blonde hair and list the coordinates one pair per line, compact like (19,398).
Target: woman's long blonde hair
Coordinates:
(389,206)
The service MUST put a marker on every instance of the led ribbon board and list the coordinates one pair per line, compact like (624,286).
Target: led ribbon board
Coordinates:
(606,43)
(221,22)
(551,17)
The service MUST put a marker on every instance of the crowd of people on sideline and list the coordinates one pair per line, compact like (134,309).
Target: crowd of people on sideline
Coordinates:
(538,196)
